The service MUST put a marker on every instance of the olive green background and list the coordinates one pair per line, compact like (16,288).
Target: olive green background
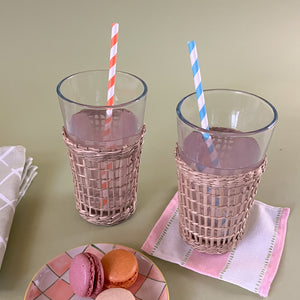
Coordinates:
(247,45)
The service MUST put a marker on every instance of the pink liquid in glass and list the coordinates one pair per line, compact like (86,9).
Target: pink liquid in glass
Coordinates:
(87,128)
(235,154)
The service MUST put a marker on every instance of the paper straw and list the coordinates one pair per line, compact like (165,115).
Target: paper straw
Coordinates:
(201,102)
(110,99)
(111,76)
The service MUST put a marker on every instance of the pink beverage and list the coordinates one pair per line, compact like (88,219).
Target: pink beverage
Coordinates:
(235,154)
(87,128)
(104,153)
(214,200)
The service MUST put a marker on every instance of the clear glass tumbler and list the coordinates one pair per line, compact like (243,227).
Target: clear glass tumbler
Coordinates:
(215,198)
(104,142)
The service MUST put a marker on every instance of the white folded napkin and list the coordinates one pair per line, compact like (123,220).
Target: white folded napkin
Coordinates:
(252,264)
(16,174)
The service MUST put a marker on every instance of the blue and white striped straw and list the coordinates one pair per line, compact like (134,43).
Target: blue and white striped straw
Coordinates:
(201,102)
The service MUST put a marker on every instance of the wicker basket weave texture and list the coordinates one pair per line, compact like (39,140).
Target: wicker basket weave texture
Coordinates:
(105,181)
(213,209)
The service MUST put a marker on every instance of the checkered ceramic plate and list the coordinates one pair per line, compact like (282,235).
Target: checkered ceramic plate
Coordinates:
(52,280)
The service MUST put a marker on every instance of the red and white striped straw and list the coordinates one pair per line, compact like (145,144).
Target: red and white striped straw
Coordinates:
(111,76)
(110,98)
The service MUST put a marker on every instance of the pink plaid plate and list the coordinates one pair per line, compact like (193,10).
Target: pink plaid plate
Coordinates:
(52,280)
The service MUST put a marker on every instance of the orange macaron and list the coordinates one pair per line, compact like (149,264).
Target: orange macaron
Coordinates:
(120,269)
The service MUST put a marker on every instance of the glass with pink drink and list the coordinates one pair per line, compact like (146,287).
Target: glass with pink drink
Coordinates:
(104,152)
(215,198)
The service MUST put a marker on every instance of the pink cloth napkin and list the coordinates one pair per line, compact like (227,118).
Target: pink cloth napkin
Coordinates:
(252,264)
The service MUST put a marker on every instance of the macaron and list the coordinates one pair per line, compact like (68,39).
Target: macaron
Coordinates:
(120,269)
(86,275)
(115,294)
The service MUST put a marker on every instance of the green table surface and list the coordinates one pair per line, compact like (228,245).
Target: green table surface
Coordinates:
(245,45)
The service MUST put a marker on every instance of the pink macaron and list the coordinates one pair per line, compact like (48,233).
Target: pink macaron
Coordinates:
(115,294)
(86,275)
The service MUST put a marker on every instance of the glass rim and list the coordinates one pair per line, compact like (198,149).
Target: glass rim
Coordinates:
(217,132)
(136,99)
